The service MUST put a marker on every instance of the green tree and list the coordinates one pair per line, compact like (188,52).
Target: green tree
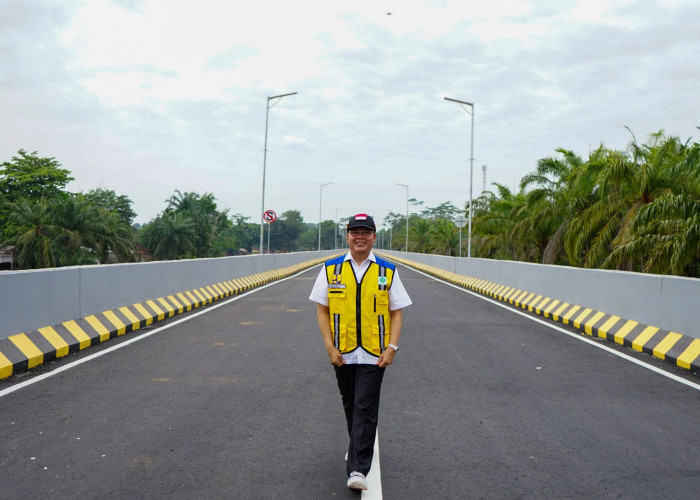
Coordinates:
(79,230)
(548,212)
(209,222)
(445,210)
(87,233)
(665,234)
(419,235)
(245,234)
(112,202)
(444,238)
(494,218)
(30,228)
(624,184)
(286,231)
(31,177)
(170,237)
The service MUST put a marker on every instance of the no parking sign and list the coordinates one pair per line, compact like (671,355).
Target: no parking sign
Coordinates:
(269,216)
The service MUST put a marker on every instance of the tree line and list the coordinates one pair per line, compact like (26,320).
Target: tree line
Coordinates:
(42,224)
(636,209)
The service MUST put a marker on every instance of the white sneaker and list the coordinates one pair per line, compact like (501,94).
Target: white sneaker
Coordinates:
(357,481)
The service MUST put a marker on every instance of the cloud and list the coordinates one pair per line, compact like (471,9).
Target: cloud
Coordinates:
(149,97)
(230,58)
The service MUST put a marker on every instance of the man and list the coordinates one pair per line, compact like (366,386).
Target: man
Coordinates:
(359,298)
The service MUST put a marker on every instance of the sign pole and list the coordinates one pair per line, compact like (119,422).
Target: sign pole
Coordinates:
(460,222)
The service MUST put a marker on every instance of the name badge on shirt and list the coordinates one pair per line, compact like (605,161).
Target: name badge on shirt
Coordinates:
(336,285)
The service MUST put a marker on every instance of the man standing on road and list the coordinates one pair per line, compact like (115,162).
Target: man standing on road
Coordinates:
(359,298)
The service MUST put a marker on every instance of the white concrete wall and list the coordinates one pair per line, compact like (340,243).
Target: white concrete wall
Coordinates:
(37,298)
(668,302)
(32,299)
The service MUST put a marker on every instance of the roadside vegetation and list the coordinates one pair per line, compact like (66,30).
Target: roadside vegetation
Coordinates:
(637,210)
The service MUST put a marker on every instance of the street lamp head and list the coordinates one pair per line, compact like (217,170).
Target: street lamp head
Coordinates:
(460,102)
(281,95)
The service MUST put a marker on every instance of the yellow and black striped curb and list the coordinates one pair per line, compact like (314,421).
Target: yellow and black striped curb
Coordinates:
(23,351)
(682,350)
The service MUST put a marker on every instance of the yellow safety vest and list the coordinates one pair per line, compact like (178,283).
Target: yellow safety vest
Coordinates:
(359,312)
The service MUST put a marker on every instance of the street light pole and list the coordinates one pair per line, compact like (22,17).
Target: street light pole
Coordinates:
(335,228)
(404,185)
(471,168)
(320,197)
(267,116)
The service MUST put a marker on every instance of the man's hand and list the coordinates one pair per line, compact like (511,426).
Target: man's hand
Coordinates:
(335,357)
(386,358)
(324,323)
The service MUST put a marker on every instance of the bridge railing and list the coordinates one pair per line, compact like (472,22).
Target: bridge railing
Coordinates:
(668,302)
(36,298)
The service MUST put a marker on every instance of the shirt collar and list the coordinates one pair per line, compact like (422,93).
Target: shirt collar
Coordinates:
(371,257)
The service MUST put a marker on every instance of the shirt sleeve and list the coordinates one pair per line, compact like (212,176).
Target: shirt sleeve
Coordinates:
(319,293)
(398,296)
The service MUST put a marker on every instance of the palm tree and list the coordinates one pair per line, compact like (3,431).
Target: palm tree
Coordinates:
(624,184)
(119,239)
(171,237)
(209,222)
(494,219)
(31,228)
(88,233)
(181,202)
(419,234)
(81,227)
(548,210)
(443,237)
(665,234)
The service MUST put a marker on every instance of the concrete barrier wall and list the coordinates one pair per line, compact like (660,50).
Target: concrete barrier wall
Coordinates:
(34,299)
(668,302)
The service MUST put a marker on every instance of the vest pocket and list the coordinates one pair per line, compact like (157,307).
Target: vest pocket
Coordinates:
(336,298)
(380,334)
(381,302)
(338,328)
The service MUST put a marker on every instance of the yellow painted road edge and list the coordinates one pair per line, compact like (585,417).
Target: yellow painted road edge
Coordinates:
(673,347)
(23,351)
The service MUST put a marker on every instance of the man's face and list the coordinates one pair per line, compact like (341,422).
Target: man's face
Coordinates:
(360,240)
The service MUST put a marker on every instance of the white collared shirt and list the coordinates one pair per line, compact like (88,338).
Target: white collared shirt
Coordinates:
(398,299)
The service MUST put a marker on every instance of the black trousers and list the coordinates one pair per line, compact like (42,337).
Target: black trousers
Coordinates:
(360,386)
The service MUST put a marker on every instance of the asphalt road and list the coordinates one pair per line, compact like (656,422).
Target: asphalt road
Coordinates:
(239,401)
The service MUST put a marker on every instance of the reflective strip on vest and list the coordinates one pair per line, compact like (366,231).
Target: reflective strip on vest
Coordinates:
(336,329)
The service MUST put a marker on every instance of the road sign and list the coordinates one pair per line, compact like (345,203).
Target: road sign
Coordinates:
(461,221)
(270,216)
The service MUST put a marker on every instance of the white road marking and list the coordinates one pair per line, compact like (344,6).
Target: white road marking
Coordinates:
(374,478)
(577,336)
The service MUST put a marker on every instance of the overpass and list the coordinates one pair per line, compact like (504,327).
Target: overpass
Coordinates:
(236,399)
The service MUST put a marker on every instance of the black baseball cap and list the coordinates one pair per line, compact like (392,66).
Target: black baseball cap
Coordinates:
(361,220)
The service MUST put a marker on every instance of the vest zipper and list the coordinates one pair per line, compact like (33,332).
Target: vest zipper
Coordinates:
(358,312)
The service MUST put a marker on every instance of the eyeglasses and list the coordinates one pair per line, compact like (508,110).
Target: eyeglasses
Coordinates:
(360,232)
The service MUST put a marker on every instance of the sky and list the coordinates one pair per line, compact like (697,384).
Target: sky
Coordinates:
(146,97)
